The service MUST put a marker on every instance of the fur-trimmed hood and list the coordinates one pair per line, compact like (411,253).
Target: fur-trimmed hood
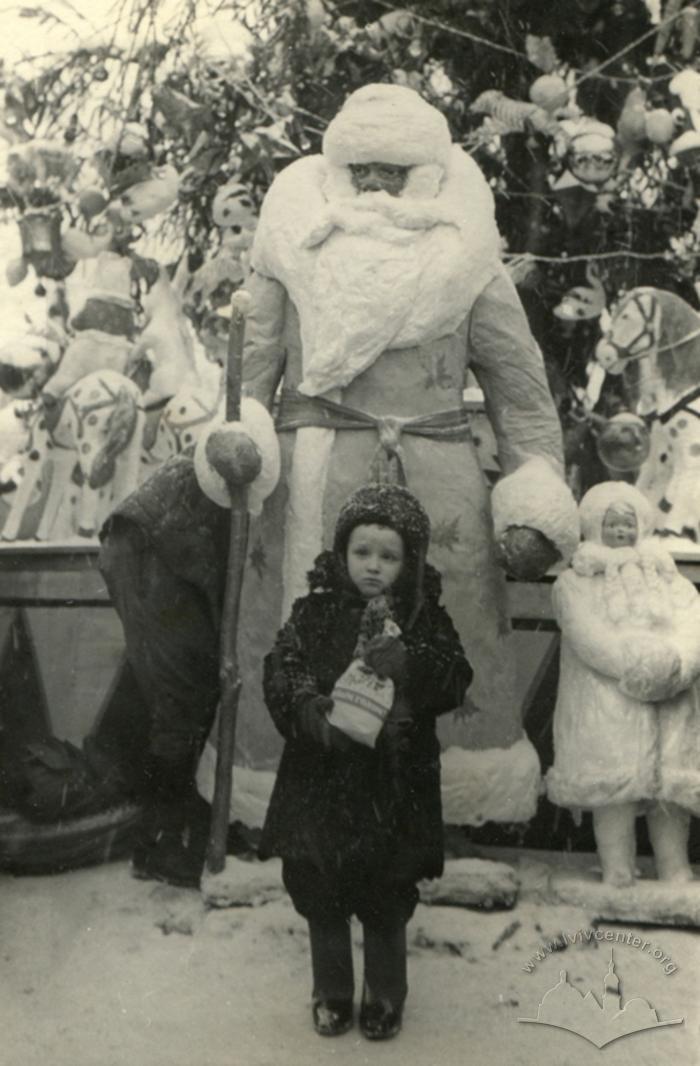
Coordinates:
(641,584)
(601,497)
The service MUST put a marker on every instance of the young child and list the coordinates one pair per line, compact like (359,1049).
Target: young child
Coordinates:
(358,826)
(627,718)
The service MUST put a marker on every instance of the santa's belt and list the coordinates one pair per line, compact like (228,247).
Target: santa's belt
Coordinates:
(297,411)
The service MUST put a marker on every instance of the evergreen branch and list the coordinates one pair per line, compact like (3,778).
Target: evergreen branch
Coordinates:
(453,29)
(593,73)
(633,44)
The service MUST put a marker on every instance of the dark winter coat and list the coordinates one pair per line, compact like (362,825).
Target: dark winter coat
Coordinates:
(374,809)
(181,525)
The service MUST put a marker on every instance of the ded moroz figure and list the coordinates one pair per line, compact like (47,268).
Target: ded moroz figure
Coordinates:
(376,284)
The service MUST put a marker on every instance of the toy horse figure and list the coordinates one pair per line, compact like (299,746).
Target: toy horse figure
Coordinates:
(653,338)
(101,427)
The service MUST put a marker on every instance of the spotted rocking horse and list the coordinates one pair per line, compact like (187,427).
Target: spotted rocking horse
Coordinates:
(99,427)
(653,339)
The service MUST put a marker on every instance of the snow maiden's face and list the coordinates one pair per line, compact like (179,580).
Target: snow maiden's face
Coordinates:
(620,527)
(379,177)
(375,557)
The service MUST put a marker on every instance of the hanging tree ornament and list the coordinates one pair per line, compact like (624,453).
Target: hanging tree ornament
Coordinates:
(660,126)
(550,92)
(234,213)
(583,303)
(632,126)
(591,156)
(624,443)
(678,15)
(39,175)
(40,233)
(590,160)
(541,53)
(233,206)
(515,116)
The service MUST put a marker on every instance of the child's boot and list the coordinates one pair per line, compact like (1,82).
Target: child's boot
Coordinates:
(669,828)
(614,829)
(385,985)
(334,984)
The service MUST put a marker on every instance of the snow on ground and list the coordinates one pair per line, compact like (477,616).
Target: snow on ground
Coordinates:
(99,969)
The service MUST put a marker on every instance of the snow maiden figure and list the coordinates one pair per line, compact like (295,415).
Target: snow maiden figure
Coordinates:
(627,718)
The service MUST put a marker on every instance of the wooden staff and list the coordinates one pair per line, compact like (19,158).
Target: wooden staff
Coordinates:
(237,460)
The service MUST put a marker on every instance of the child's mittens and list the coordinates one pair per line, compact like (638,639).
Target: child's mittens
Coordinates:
(653,673)
(312,724)
(387,657)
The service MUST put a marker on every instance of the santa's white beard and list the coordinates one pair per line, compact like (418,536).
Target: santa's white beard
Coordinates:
(377,285)
(370,272)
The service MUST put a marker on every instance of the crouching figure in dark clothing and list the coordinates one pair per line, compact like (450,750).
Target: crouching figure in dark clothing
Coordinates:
(357,824)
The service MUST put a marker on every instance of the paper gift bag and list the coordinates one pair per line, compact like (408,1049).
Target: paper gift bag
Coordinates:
(362,700)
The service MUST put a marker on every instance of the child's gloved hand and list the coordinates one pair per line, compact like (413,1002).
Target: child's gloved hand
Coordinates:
(387,656)
(313,724)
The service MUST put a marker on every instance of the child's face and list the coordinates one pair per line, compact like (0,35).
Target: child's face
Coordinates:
(374,559)
(619,527)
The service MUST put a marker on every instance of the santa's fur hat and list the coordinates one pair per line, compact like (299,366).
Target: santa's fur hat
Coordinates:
(389,124)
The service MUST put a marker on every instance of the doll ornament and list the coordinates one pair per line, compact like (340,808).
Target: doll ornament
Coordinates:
(627,718)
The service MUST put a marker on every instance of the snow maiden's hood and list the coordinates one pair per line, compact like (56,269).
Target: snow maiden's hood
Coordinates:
(641,583)
(371,271)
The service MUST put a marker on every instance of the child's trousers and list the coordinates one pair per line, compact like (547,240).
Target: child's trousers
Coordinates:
(383,906)
(384,958)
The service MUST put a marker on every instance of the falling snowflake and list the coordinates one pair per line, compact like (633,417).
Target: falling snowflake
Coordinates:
(445,534)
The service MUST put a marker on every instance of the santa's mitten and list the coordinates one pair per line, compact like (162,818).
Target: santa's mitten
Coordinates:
(653,674)
(535,519)
(525,553)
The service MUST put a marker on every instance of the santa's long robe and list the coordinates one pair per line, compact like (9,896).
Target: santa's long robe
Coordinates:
(321,467)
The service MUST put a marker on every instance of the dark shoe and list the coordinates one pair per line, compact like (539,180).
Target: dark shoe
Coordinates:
(332,1017)
(381,1020)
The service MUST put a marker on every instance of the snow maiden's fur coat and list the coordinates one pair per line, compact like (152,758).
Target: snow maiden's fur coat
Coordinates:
(619,610)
